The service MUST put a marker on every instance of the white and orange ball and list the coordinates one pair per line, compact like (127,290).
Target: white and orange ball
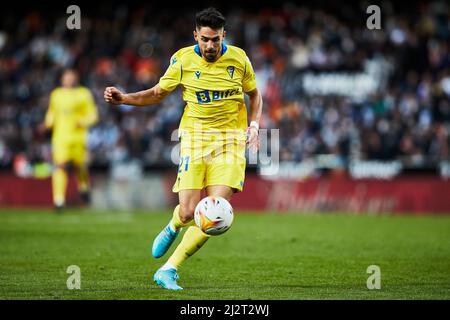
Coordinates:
(213,215)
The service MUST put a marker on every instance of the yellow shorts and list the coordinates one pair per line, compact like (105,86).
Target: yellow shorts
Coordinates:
(209,163)
(69,152)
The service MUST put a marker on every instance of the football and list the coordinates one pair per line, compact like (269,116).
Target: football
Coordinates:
(213,215)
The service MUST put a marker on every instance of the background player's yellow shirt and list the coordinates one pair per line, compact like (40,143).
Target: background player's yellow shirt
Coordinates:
(71,111)
(213,91)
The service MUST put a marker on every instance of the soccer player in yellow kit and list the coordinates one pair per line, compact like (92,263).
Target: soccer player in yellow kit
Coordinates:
(213,130)
(71,112)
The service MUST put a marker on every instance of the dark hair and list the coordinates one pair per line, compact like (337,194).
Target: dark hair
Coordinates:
(210,17)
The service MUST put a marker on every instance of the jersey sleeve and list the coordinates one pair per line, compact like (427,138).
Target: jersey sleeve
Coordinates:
(249,80)
(50,114)
(91,109)
(172,78)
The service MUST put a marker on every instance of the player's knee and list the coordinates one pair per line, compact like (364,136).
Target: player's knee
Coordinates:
(186,212)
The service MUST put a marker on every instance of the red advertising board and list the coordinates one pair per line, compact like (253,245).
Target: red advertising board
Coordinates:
(403,194)
(31,192)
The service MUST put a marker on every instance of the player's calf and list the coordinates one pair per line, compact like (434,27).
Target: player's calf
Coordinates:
(186,212)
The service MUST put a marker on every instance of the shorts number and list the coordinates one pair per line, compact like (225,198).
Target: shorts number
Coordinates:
(186,164)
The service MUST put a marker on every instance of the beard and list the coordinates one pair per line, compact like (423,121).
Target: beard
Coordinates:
(210,56)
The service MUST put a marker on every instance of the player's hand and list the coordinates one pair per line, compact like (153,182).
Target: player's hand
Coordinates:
(113,95)
(253,138)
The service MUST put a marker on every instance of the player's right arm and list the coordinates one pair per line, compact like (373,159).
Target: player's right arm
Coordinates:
(168,82)
(141,98)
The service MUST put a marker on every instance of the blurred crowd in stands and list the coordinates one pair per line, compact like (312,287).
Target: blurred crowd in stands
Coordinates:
(406,117)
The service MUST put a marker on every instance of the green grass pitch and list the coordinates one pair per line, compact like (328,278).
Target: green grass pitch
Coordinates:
(270,256)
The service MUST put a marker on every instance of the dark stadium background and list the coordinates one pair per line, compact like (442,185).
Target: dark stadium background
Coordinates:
(362,180)
(398,130)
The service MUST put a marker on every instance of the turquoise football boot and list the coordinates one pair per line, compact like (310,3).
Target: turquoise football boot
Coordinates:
(167,279)
(163,241)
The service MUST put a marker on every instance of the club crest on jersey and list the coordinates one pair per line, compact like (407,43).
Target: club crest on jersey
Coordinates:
(230,70)
(197,74)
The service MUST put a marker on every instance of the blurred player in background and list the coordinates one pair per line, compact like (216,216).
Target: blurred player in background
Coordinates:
(214,77)
(71,112)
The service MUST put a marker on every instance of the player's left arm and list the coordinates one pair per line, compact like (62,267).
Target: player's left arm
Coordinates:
(91,115)
(49,119)
(255,105)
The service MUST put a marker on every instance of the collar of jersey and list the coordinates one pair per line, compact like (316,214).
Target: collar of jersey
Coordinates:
(197,50)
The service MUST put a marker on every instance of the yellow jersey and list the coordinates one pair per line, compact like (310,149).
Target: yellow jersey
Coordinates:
(213,91)
(70,113)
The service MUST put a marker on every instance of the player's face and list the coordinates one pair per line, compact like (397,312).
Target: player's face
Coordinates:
(210,42)
(69,79)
